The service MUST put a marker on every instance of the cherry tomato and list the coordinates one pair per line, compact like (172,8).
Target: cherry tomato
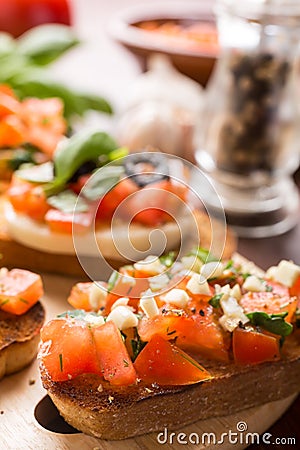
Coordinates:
(62,222)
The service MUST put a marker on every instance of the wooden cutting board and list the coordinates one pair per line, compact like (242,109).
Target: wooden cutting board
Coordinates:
(20,393)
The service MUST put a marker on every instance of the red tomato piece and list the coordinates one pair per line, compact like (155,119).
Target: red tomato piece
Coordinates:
(79,296)
(28,198)
(19,291)
(270,302)
(61,222)
(163,363)
(17,16)
(11,131)
(199,334)
(109,203)
(251,347)
(115,362)
(68,349)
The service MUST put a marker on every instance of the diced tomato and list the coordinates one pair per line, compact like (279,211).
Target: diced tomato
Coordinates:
(29,199)
(11,131)
(115,362)
(295,289)
(19,291)
(78,185)
(62,222)
(8,102)
(251,347)
(270,303)
(68,349)
(79,296)
(163,363)
(44,122)
(126,286)
(114,198)
(199,333)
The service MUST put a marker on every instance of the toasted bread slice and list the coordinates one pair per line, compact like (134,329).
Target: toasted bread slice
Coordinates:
(19,338)
(97,409)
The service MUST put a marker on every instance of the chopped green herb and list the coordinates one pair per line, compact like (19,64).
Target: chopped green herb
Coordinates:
(274,323)
(215,300)
(168,260)
(112,280)
(191,361)
(229,265)
(245,275)
(137,344)
(60,362)
(203,254)
(126,363)
(4,302)
(269,288)
(23,300)
(79,314)
(169,333)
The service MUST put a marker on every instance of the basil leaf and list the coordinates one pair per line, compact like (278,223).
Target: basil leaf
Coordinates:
(215,300)
(45,43)
(30,84)
(168,260)
(82,147)
(102,181)
(203,254)
(273,323)
(68,202)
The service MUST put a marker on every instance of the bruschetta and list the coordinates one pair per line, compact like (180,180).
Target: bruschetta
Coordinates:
(69,206)
(164,344)
(21,318)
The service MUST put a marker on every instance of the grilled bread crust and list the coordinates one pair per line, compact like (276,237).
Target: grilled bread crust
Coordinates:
(95,408)
(19,338)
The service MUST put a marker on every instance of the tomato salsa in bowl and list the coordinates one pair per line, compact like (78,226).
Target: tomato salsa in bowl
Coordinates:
(186,33)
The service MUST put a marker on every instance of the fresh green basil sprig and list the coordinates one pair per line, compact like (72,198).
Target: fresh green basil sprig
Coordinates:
(274,323)
(22,66)
(73,153)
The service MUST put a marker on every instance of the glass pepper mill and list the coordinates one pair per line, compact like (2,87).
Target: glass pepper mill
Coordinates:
(250,138)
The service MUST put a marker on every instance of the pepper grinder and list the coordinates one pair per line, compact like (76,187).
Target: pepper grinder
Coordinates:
(249,142)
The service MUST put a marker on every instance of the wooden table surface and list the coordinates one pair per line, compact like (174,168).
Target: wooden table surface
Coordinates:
(103,66)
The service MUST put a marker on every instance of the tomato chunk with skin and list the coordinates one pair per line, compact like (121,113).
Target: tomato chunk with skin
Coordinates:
(67,223)
(270,303)
(115,362)
(79,296)
(28,198)
(198,333)
(251,347)
(165,364)
(19,291)
(68,349)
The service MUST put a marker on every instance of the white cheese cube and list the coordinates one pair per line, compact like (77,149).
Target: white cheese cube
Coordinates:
(151,265)
(236,292)
(149,306)
(286,273)
(254,284)
(212,269)
(123,317)
(94,320)
(197,284)
(123,301)
(159,282)
(177,297)
(97,297)
(192,263)
(229,323)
